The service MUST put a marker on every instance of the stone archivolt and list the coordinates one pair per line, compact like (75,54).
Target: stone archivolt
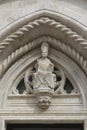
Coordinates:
(72,53)
(44,20)
(21,36)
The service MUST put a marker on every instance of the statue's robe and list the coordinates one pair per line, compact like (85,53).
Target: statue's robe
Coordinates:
(44,77)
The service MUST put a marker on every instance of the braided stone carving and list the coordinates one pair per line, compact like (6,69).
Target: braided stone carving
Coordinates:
(44,20)
(72,53)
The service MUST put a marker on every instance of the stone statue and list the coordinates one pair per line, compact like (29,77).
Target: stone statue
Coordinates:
(44,81)
(44,77)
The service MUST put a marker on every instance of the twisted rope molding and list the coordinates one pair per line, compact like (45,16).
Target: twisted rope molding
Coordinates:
(44,20)
(72,53)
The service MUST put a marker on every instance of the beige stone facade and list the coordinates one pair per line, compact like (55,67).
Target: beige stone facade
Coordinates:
(24,26)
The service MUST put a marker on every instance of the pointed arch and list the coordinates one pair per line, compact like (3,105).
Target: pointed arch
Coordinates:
(61,37)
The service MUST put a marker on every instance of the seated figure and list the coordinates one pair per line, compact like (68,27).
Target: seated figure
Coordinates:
(44,78)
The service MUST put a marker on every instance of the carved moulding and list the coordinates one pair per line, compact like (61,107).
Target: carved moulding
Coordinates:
(20,34)
(71,52)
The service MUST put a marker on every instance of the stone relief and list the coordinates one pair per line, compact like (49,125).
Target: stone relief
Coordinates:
(43,80)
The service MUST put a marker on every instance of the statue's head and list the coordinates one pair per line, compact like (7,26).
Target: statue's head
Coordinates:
(44,49)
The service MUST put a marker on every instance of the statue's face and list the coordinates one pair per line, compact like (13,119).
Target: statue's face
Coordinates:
(45,53)
(44,49)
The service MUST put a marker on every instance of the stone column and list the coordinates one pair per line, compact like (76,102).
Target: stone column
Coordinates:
(85,124)
(2,125)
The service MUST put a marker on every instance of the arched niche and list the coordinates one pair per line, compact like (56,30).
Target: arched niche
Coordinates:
(67,50)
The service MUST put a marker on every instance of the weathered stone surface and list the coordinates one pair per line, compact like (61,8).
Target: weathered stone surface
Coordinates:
(10,11)
(64,28)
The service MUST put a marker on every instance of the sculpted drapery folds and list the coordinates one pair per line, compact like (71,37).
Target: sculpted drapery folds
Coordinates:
(44,77)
